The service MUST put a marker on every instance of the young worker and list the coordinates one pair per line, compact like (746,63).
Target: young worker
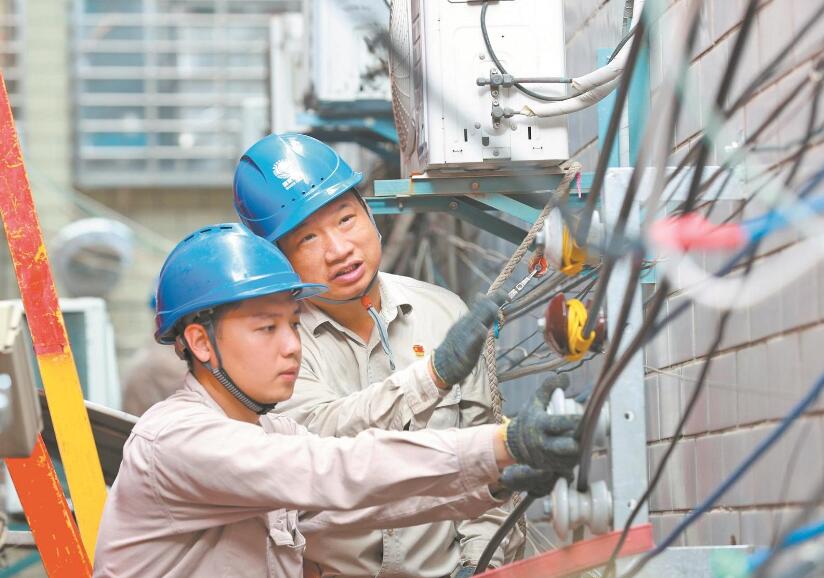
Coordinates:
(297,192)
(212,485)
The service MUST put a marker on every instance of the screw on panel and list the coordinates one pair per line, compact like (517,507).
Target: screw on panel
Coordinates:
(495,153)
(475,186)
(482,56)
(477,125)
(495,93)
(453,205)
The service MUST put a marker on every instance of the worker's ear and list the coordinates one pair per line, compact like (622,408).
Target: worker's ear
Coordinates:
(198,341)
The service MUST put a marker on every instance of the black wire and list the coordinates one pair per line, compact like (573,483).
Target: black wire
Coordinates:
(720,100)
(524,308)
(517,345)
(801,518)
(676,437)
(502,70)
(610,372)
(521,87)
(753,86)
(765,124)
(502,531)
(527,356)
(750,252)
(621,44)
(582,230)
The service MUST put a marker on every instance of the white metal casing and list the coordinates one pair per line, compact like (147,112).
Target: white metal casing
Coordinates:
(287,71)
(19,434)
(346,48)
(444,118)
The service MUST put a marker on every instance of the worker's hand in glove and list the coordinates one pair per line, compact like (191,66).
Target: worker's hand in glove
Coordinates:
(520,478)
(543,441)
(457,355)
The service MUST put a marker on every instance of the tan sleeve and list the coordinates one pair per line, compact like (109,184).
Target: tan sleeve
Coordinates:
(476,533)
(406,512)
(205,467)
(385,404)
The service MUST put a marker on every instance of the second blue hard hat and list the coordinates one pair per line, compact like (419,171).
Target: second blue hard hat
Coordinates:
(217,265)
(282,179)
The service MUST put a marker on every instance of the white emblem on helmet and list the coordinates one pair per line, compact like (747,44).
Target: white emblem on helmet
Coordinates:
(288,172)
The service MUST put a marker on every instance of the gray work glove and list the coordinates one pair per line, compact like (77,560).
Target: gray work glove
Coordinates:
(543,441)
(520,478)
(457,355)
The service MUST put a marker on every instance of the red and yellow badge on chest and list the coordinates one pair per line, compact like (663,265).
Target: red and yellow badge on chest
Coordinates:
(419,350)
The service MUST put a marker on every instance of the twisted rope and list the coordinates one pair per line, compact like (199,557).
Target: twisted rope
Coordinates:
(570,171)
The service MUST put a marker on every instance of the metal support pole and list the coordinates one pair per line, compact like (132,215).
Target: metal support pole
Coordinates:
(628,430)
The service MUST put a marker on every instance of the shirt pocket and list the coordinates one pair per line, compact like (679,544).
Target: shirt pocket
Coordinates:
(447,413)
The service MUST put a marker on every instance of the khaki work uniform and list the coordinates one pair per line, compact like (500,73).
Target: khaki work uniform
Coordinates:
(203,495)
(344,387)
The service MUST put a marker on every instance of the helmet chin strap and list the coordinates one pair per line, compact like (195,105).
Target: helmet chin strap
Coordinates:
(364,299)
(223,378)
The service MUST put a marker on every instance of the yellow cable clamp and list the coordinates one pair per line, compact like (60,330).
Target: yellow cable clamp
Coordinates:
(576,320)
(573,256)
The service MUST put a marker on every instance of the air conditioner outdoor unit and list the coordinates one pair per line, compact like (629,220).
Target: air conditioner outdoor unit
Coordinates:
(348,55)
(446,119)
(287,71)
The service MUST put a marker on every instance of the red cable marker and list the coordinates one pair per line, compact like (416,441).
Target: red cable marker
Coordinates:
(693,231)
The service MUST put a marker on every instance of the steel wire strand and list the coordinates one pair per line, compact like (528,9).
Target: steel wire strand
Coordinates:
(581,232)
(760,450)
(799,520)
(753,86)
(699,386)
(668,107)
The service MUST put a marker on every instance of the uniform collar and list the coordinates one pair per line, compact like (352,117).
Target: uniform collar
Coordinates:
(190,383)
(395,300)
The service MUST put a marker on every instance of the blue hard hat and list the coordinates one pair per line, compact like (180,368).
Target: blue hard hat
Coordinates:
(217,265)
(282,179)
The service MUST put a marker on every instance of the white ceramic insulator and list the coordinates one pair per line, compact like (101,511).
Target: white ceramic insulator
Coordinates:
(572,509)
(559,404)
(553,238)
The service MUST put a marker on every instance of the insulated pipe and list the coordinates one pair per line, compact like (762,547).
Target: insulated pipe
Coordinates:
(574,104)
(593,86)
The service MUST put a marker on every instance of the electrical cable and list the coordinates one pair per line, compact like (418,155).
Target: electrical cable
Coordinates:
(718,293)
(502,70)
(520,309)
(803,517)
(582,230)
(593,84)
(668,108)
(687,269)
(721,97)
(699,386)
(502,531)
(737,155)
(532,369)
(752,87)
(760,450)
(656,477)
